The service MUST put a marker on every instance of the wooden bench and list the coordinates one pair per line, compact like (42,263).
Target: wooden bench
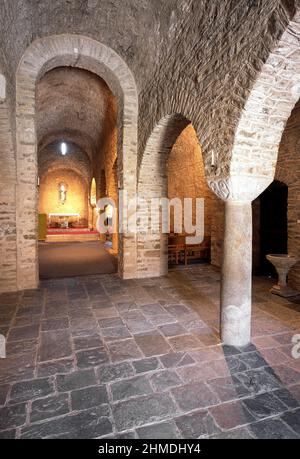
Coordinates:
(176,249)
(179,251)
(197,251)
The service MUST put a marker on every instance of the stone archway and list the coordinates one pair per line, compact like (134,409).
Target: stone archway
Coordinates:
(152,184)
(266,112)
(41,56)
(251,170)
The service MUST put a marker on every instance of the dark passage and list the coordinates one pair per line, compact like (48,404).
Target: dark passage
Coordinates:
(269,226)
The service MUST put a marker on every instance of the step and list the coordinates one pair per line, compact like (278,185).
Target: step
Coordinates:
(72,237)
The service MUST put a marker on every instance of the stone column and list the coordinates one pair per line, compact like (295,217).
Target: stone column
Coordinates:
(236,274)
(238,192)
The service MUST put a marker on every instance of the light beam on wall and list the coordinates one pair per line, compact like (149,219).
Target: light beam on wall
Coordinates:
(63,148)
(93,197)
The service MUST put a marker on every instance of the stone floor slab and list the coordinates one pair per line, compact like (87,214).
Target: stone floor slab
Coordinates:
(34,388)
(54,345)
(75,380)
(195,395)
(12,416)
(49,407)
(86,424)
(131,337)
(143,410)
(124,350)
(264,405)
(163,430)
(112,372)
(196,425)
(164,380)
(88,397)
(132,387)
(91,358)
(230,415)
(272,429)
(152,344)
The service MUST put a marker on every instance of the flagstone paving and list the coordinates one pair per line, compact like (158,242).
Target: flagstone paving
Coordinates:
(98,357)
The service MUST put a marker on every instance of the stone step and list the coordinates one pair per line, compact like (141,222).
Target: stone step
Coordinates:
(72,237)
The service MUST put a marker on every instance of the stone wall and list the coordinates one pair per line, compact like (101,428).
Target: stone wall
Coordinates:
(153,184)
(108,169)
(288,172)
(77,194)
(186,178)
(8,253)
(205,76)
(261,125)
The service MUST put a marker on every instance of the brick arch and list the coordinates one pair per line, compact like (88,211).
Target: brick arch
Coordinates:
(41,56)
(266,112)
(152,257)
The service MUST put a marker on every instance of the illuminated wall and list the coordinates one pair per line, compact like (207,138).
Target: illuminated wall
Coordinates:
(77,194)
(186,177)
(288,172)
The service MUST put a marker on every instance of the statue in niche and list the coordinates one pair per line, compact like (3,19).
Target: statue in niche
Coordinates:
(62,193)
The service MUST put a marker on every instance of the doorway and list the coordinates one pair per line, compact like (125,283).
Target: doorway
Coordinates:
(270,227)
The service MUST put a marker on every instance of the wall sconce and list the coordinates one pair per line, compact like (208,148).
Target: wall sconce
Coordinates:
(214,160)
(62,192)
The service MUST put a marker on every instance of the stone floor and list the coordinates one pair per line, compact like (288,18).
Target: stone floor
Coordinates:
(100,357)
(66,259)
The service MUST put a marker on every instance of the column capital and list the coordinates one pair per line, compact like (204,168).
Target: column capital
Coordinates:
(238,187)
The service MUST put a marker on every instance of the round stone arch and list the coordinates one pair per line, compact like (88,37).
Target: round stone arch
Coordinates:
(152,259)
(41,56)
(266,112)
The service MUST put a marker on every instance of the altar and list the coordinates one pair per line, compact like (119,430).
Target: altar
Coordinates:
(62,219)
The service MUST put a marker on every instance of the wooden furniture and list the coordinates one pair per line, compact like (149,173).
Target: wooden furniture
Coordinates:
(179,251)
(42,227)
(176,249)
(197,251)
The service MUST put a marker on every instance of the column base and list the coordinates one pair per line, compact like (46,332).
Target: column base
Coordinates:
(231,341)
(285,292)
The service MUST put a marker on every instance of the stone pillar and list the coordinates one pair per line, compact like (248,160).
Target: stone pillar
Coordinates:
(238,192)
(236,274)
(8,247)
